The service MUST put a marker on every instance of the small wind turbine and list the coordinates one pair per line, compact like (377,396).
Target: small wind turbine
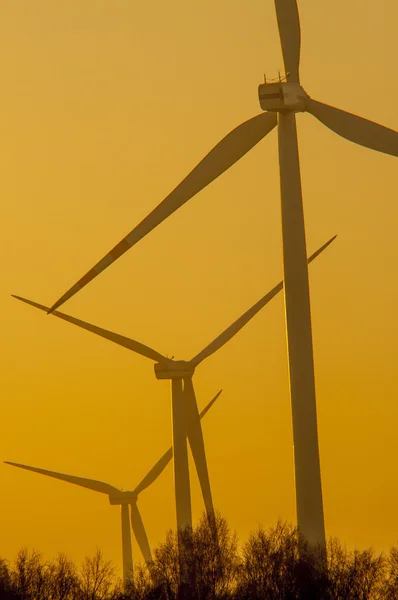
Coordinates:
(124,499)
(186,421)
(281,101)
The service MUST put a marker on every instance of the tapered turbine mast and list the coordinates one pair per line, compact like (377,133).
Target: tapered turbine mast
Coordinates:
(125,500)
(186,422)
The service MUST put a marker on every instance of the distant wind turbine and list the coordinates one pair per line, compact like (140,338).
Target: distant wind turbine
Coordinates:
(124,499)
(281,101)
(186,421)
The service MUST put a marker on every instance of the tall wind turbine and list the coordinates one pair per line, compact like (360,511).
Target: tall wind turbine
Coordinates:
(186,421)
(280,101)
(124,499)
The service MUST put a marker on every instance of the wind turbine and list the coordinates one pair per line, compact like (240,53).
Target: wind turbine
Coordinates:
(124,499)
(280,101)
(186,421)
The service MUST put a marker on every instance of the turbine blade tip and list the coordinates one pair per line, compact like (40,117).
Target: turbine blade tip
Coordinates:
(326,244)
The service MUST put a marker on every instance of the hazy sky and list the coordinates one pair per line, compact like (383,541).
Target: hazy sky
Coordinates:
(105,106)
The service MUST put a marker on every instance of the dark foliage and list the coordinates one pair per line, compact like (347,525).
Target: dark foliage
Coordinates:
(206,564)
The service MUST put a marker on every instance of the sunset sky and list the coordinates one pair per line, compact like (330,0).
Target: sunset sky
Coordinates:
(104,107)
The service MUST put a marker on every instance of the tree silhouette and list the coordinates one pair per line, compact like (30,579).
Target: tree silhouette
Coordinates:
(198,563)
(97,579)
(205,563)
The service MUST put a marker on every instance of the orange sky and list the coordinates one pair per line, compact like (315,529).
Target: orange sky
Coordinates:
(105,107)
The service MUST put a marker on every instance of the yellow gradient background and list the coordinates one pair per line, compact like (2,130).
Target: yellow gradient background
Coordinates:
(104,107)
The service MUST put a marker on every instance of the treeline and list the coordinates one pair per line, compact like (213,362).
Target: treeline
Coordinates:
(208,564)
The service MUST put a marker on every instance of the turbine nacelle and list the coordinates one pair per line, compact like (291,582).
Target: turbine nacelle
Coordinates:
(282,96)
(122,498)
(174,369)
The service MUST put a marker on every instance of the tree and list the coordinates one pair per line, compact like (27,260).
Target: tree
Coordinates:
(6,591)
(97,579)
(357,575)
(143,585)
(200,564)
(62,579)
(273,568)
(390,588)
(28,577)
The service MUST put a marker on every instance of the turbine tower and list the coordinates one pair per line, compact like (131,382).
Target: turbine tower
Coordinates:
(186,423)
(124,499)
(280,101)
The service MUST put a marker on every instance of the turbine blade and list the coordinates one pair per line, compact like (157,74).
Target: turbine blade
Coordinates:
(91,484)
(355,129)
(196,442)
(154,473)
(138,528)
(121,340)
(159,467)
(208,407)
(233,329)
(237,143)
(290,36)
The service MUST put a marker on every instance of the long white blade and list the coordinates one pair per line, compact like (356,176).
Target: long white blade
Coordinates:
(227,152)
(138,528)
(355,129)
(121,340)
(289,33)
(196,442)
(91,484)
(159,467)
(233,329)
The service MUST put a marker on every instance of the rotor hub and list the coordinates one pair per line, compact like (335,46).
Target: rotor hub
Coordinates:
(282,96)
